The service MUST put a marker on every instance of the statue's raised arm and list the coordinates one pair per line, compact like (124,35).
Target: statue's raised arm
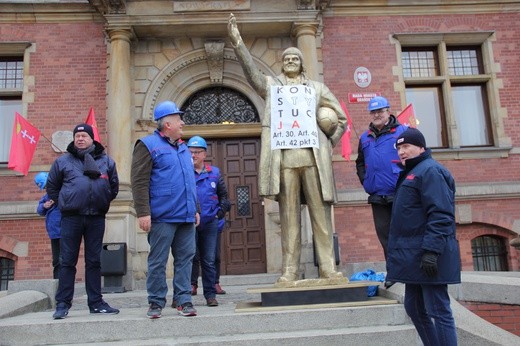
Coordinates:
(251,71)
(233,32)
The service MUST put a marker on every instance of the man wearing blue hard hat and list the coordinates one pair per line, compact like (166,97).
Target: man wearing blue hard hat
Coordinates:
(213,200)
(377,165)
(165,200)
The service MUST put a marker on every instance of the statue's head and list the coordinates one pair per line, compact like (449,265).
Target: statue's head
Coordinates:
(294,52)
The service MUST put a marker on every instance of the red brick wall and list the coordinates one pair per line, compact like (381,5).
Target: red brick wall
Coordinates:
(69,69)
(68,64)
(38,262)
(350,42)
(504,316)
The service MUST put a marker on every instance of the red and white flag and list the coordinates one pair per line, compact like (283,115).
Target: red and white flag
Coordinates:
(346,148)
(23,145)
(407,117)
(91,120)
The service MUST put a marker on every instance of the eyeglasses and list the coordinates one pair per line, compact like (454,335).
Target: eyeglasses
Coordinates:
(196,152)
(378,112)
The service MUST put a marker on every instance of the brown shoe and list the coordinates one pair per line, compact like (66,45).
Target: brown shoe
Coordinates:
(194,290)
(211,302)
(219,289)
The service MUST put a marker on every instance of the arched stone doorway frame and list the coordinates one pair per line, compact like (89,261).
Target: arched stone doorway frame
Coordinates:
(189,73)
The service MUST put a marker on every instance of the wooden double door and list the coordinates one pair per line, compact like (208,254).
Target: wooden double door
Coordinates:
(243,240)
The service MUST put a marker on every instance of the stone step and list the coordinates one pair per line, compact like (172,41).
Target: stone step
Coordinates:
(373,335)
(212,323)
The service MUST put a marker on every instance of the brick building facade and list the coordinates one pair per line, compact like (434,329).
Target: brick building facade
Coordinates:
(122,57)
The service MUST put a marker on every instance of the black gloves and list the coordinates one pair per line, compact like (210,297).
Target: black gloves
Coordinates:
(429,263)
(220,214)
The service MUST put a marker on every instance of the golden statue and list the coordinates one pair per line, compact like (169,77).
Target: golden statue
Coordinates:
(297,171)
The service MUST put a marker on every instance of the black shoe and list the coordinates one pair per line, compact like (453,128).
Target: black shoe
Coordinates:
(154,311)
(62,310)
(389,284)
(103,308)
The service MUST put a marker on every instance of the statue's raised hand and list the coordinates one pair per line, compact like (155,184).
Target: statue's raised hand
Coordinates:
(233,32)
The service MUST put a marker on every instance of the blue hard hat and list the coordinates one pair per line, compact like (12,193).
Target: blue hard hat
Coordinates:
(166,108)
(378,102)
(40,179)
(197,142)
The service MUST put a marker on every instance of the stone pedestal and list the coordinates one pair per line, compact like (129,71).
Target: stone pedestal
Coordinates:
(349,294)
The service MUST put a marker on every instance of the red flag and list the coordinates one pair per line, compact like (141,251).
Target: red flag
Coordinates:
(91,120)
(23,144)
(407,117)
(346,149)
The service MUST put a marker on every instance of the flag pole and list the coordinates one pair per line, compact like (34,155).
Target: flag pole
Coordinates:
(54,145)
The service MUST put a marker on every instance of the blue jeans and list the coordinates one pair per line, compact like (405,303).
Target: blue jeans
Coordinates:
(429,308)
(73,228)
(206,239)
(179,238)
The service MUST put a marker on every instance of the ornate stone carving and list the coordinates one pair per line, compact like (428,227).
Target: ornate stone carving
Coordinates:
(109,6)
(215,55)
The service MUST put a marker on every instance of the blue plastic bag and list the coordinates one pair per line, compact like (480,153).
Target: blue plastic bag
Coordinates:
(369,275)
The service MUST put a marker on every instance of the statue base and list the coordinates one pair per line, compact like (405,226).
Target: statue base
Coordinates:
(349,294)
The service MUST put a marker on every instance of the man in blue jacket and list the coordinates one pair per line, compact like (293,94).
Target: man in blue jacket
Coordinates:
(83,182)
(376,164)
(423,251)
(165,200)
(213,199)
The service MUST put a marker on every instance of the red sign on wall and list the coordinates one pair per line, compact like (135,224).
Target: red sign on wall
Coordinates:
(361,97)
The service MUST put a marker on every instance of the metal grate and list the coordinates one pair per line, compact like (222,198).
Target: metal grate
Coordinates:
(463,62)
(11,73)
(489,254)
(243,201)
(219,105)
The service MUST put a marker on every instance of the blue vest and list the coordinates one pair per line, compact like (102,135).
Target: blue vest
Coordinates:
(173,195)
(207,182)
(381,161)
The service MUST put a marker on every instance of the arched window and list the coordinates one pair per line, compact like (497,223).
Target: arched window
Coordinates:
(489,253)
(6,272)
(219,105)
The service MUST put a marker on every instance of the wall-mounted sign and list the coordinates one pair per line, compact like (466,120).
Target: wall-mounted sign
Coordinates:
(361,97)
(362,77)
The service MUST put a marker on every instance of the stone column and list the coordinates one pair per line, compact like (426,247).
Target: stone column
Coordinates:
(121,222)
(306,42)
(119,115)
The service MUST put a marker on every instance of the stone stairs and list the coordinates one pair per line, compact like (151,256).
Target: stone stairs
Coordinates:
(382,322)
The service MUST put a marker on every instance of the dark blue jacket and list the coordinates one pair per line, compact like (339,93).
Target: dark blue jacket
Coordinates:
(173,196)
(76,193)
(52,217)
(423,219)
(377,162)
(211,193)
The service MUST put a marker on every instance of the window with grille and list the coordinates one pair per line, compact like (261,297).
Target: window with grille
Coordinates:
(489,253)
(11,88)
(6,272)
(243,201)
(447,82)
(219,105)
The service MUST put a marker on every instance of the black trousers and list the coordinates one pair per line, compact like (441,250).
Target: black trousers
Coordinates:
(382,214)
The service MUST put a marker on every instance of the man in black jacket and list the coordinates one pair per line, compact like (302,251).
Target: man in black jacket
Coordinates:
(83,182)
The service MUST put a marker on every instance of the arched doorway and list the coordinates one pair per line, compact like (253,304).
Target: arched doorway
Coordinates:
(243,249)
